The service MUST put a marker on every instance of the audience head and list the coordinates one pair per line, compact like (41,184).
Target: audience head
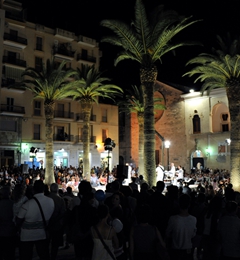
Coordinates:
(160,186)
(84,187)
(54,188)
(38,186)
(184,201)
(102,211)
(144,213)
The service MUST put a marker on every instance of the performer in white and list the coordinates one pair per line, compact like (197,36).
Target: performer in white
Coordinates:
(172,170)
(179,173)
(160,172)
(178,176)
(129,173)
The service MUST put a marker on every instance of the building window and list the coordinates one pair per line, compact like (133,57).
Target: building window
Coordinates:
(84,54)
(13,57)
(92,116)
(13,35)
(104,115)
(7,125)
(225,125)
(224,117)
(10,104)
(60,110)
(39,43)
(36,132)
(37,108)
(38,63)
(196,124)
(104,135)
(225,128)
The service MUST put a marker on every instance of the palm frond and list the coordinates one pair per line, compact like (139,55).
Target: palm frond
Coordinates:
(141,24)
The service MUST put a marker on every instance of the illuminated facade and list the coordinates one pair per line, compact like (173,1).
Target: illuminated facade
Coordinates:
(197,126)
(22,121)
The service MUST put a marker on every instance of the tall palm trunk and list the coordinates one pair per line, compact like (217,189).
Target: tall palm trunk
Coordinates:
(86,108)
(140,117)
(234,109)
(49,115)
(148,77)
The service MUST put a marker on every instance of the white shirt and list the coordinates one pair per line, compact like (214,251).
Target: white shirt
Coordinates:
(181,229)
(180,174)
(159,171)
(33,228)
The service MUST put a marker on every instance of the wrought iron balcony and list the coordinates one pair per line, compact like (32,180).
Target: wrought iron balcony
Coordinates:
(93,118)
(63,114)
(15,41)
(88,58)
(13,61)
(12,110)
(79,116)
(79,139)
(65,138)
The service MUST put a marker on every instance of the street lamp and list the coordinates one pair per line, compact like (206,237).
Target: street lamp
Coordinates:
(167,145)
(108,146)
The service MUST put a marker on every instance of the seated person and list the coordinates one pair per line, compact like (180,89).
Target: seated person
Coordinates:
(103,179)
(94,180)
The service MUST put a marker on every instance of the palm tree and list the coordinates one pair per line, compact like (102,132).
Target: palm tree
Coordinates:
(50,84)
(134,103)
(222,70)
(89,87)
(146,41)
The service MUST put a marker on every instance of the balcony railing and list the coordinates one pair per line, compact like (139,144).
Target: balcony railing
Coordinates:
(63,114)
(12,109)
(92,139)
(18,62)
(86,58)
(79,116)
(65,138)
(93,118)
(65,34)
(14,38)
(79,139)
(8,82)
(87,41)
(63,51)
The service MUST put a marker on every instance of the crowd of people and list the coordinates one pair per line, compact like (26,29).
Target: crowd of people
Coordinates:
(123,220)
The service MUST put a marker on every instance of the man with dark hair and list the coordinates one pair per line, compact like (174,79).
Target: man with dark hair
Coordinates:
(32,225)
(180,231)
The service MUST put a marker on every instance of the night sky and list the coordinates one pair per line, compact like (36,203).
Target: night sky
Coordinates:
(83,17)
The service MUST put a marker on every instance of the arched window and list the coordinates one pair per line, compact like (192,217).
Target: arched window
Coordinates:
(220,118)
(196,124)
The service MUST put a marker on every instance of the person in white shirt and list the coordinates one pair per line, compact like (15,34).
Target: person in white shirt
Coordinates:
(160,172)
(179,173)
(29,218)
(180,231)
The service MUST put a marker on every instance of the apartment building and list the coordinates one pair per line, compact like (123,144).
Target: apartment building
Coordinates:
(22,121)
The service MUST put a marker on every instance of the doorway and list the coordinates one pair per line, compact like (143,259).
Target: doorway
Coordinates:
(196,161)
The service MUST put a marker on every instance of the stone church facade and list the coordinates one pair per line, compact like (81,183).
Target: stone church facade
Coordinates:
(197,127)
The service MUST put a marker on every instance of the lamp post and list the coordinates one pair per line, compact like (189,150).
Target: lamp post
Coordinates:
(167,145)
(108,146)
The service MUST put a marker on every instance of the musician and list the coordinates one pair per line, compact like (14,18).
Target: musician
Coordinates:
(160,172)
(172,170)
(179,173)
